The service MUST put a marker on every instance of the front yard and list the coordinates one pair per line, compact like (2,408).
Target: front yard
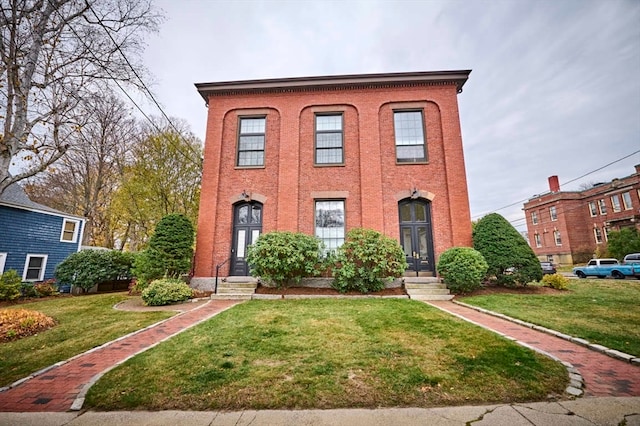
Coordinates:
(84,322)
(603,311)
(328,353)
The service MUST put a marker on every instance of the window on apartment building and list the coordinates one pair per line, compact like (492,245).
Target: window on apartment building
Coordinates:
(593,210)
(615,203)
(330,223)
(251,141)
(409,132)
(626,200)
(329,139)
(534,218)
(34,267)
(606,233)
(602,207)
(69,231)
(553,213)
(557,237)
(537,239)
(597,233)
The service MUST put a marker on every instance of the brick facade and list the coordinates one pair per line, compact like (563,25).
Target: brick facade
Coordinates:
(370,181)
(583,229)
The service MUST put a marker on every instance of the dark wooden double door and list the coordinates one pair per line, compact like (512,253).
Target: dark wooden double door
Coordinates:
(416,236)
(247,227)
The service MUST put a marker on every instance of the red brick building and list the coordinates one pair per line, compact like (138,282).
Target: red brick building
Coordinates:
(322,155)
(569,227)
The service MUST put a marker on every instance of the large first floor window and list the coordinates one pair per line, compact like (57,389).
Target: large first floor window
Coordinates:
(330,223)
(34,267)
(538,240)
(557,237)
(597,233)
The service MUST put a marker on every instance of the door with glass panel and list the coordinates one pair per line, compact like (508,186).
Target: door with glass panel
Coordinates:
(415,235)
(247,226)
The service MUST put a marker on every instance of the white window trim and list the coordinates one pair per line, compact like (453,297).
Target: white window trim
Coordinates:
(627,206)
(596,232)
(75,230)
(556,237)
(555,213)
(593,211)
(26,265)
(534,218)
(537,240)
(3,259)
(613,204)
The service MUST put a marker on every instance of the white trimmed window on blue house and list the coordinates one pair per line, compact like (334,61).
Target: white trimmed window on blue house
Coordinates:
(70,229)
(34,267)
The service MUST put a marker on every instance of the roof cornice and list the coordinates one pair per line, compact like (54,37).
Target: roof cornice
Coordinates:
(334,82)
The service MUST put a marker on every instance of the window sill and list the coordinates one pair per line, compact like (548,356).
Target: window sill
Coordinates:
(410,163)
(322,165)
(248,167)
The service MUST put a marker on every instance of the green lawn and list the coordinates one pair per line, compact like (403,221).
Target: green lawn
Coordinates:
(603,311)
(84,322)
(328,353)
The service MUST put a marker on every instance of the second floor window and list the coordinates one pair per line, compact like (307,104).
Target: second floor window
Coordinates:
(409,131)
(615,203)
(553,213)
(329,140)
(251,141)
(626,200)
(602,206)
(592,209)
(534,218)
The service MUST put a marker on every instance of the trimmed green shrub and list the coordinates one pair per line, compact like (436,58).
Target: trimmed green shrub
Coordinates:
(87,268)
(366,261)
(511,261)
(284,257)
(170,250)
(557,281)
(462,269)
(10,283)
(166,291)
(46,288)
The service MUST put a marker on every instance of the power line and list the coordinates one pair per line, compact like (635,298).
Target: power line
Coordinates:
(569,181)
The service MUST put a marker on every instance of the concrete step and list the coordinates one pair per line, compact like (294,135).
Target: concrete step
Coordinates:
(421,280)
(424,285)
(237,279)
(235,290)
(237,285)
(432,297)
(427,291)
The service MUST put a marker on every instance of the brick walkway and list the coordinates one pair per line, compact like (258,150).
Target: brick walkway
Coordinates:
(602,374)
(57,389)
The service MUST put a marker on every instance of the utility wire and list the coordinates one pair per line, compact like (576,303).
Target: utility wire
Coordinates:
(569,181)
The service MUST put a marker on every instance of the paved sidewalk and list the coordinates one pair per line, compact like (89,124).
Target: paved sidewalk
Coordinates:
(602,374)
(64,386)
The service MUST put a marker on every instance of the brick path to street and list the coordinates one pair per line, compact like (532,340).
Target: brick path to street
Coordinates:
(58,388)
(602,374)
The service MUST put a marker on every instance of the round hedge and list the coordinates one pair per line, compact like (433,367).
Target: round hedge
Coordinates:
(462,269)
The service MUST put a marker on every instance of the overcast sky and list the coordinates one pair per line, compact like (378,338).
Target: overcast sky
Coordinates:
(555,86)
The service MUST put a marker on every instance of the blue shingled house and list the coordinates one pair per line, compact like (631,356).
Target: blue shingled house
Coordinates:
(35,238)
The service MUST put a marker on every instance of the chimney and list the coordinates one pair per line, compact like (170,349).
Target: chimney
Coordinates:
(554,184)
(638,168)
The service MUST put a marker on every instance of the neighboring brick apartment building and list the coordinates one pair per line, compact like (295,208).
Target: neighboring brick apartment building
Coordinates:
(564,227)
(323,155)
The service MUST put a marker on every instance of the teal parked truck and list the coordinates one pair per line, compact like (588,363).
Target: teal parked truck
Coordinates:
(602,268)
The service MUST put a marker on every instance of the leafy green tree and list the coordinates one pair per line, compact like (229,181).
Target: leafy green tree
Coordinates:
(367,260)
(511,261)
(284,257)
(462,269)
(623,242)
(170,250)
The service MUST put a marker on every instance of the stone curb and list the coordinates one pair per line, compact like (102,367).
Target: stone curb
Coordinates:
(576,382)
(582,342)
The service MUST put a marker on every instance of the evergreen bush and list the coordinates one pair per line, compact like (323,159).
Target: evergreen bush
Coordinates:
(170,250)
(166,291)
(462,269)
(366,261)
(557,281)
(10,283)
(87,268)
(284,258)
(511,261)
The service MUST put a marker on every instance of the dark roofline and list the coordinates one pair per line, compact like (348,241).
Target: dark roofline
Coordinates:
(458,77)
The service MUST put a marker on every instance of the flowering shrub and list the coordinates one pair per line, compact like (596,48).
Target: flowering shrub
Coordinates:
(46,288)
